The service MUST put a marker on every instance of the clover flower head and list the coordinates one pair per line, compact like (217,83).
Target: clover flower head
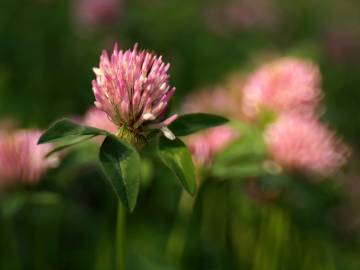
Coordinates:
(282,86)
(205,145)
(132,88)
(303,143)
(21,159)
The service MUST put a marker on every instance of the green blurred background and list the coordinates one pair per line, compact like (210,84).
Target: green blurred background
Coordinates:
(47,51)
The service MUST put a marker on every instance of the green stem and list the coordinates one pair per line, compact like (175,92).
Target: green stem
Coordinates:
(120,237)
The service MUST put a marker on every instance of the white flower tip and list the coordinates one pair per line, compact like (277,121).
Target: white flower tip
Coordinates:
(98,71)
(163,87)
(148,116)
(142,78)
(98,105)
(168,134)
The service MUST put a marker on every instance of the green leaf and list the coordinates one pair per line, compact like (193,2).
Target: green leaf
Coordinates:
(121,163)
(65,133)
(249,147)
(66,129)
(191,123)
(245,149)
(175,155)
(244,157)
(67,142)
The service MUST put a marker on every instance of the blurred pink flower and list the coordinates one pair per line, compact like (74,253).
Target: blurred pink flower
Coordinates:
(205,145)
(223,99)
(132,88)
(21,159)
(99,119)
(282,86)
(303,143)
(92,13)
(220,100)
(213,100)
